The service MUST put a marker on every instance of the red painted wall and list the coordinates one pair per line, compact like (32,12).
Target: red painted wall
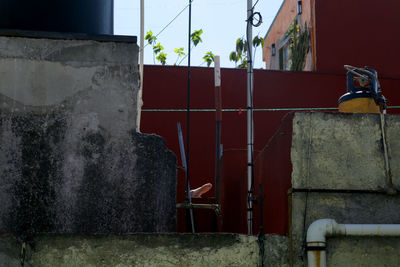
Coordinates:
(166,88)
(273,168)
(359,33)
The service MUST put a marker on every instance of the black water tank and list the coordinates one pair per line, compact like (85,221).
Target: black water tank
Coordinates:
(75,16)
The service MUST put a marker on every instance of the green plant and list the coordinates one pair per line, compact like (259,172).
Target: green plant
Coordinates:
(157,48)
(195,37)
(180,53)
(209,58)
(240,55)
(162,58)
(151,39)
(299,47)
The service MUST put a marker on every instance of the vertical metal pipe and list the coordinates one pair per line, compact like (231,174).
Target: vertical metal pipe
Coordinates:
(140,92)
(218,109)
(183,158)
(188,118)
(316,258)
(261,234)
(250,124)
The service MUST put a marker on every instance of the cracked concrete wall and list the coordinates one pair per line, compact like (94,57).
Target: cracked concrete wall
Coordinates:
(339,159)
(70,159)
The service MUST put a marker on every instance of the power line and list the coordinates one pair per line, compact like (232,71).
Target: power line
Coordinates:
(169,23)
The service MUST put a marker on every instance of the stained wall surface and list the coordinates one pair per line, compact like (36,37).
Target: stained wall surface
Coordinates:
(70,159)
(339,173)
(146,250)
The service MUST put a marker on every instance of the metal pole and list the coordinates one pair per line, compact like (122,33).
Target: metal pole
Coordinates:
(140,92)
(188,115)
(218,108)
(250,124)
(183,158)
(261,234)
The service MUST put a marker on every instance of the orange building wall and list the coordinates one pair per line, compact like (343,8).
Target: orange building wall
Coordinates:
(286,14)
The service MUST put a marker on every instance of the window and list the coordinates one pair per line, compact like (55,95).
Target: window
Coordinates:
(285,60)
(299,8)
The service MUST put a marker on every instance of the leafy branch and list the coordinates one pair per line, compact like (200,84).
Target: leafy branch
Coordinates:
(180,53)
(209,58)
(240,55)
(299,47)
(157,48)
(195,39)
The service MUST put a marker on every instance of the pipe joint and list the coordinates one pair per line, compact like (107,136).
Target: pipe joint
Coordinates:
(319,229)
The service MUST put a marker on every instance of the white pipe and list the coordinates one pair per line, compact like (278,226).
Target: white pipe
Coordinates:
(250,123)
(140,92)
(320,229)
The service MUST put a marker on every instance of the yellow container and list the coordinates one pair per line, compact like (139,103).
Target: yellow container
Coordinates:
(359,105)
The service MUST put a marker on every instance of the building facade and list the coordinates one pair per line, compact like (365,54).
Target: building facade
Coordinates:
(358,32)
(291,30)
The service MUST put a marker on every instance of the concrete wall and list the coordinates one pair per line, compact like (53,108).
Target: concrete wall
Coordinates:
(81,76)
(70,159)
(145,250)
(339,173)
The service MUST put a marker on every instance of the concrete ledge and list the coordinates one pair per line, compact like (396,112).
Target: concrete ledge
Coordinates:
(68,36)
(343,151)
(145,250)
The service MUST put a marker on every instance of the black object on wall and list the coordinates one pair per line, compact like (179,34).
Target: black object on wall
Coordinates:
(72,16)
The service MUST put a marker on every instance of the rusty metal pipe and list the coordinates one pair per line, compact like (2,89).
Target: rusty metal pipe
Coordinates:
(320,229)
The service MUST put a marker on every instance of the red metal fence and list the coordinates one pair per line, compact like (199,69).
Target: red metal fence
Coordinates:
(275,95)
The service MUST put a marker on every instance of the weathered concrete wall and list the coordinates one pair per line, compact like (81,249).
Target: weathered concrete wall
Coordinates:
(339,173)
(10,251)
(70,160)
(346,151)
(81,76)
(145,250)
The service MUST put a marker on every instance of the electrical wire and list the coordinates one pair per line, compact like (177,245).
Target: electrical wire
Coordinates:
(169,23)
(255,4)
(191,48)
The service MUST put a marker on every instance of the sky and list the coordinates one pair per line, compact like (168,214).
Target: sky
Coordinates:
(222,22)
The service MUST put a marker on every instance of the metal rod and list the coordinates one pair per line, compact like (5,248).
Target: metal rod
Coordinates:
(261,234)
(390,189)
(140,92)
(261,209)
(218,118)
(197,206)
(250,124)
(184,164)
(188,118)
